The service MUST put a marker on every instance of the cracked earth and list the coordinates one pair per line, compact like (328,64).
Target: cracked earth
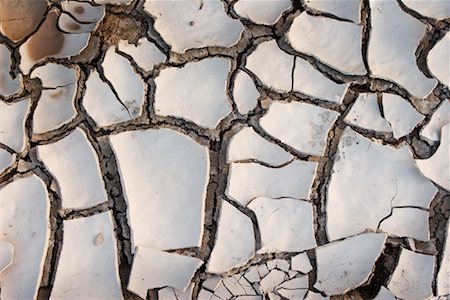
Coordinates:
(224,149)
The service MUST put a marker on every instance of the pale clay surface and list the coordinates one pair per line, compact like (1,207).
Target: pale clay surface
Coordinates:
(250,180)
(24,224)
(167,269)
(393,169)
(342,266)
(88,262)
(101,104)
(249,145)
(286,224)
(218,149)
(56,105)
(438,59)
(73,161)
(315,122)
(276,72)
(440,117)
(183,25)
(437,167)
(262,12)
(413,275)
(6,159)
(349,9)
(171,186)
(245,94)
(196,92)
(394,38)
(311,82)
(131,92)
(235,240)
(336,43)
(12,124)
(8,85)
(366,114)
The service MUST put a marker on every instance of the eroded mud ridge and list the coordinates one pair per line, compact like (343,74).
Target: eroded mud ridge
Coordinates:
(224,149)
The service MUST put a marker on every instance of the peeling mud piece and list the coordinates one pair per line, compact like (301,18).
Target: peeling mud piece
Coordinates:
(84,11)
(443,276)
(384,294)
(24,223)
(294,289)
(251,180)
(413,276)
(296,283)
(275,72)
(49,41)
(334,42)
(19,18)
(247,144)
(402,116)
(310,125)
(12,124)
(185,25)
(235,240)
(129,86)
(347,264)
(437,167)
(301,263)
(394,38)
(416,220)
(311,82)
(432,131)
(6,159)
(74,163)
(286,224)
(144,53)
(349,9)
(8,85)
(245,94)
(366,114)
(438,58)
(69,25)
(169,293)
(437,9)
(195,92)
(86,269)
(6,255)
(164,174)
(262,12)
(362,166)
(272,280)
(238,285)
(154,269)
(101,103)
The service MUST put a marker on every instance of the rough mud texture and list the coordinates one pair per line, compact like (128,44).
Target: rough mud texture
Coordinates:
(222,185)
